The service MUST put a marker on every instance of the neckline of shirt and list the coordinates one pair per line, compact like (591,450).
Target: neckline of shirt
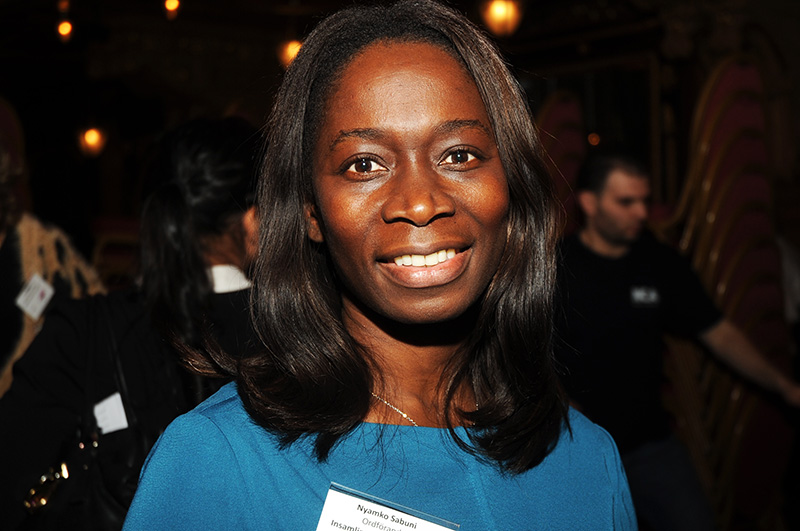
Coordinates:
(227,278)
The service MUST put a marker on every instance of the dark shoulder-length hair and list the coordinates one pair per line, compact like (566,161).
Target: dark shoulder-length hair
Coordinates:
(312,380)
(198,185)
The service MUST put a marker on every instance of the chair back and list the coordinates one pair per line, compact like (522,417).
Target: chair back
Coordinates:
(726,221)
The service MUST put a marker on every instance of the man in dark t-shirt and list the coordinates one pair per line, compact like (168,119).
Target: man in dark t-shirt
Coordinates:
(619,310)
(620,292)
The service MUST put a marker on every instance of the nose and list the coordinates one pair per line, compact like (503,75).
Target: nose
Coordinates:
(417,196)
(641,210)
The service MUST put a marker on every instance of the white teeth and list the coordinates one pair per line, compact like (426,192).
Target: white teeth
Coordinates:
(429,260)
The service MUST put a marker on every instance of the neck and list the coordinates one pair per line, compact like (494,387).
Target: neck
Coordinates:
(410,361)
(224,249)
(602,246)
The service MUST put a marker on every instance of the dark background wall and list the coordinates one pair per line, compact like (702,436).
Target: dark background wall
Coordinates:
(637,64)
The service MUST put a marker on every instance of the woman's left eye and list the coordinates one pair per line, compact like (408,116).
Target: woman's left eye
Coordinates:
(459,157)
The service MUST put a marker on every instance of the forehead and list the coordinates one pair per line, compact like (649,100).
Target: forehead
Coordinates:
(388,49)
(398,75)
(621,183)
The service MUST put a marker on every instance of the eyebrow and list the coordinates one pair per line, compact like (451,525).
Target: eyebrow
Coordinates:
(366,134)
(455,125)
(376,134)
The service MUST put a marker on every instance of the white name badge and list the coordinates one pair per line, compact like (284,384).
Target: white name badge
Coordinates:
(34,296)
(110,414)
(346,509)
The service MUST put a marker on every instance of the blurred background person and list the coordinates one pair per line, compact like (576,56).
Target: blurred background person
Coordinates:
(621,291)
(105,367)
(37,260)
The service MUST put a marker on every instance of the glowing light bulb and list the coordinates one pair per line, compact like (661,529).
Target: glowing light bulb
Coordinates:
(92,141)
(593,139)
(499,10)
(171,8)
(64,30)
(502,17)
(287,51)
(92,137)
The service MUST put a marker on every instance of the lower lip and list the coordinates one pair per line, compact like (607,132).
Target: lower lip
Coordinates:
(428,277)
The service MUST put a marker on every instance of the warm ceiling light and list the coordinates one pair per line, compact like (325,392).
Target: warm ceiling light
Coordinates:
(502,17)
(593,139)
(63,6)
(287,51)
(92,141)
(64,30)
(171,8)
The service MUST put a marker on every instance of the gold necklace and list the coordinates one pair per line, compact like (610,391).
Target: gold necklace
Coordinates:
(402,413)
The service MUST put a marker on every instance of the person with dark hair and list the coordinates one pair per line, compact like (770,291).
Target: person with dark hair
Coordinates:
(622,290)
(198,238)
(107,366)
(402,293)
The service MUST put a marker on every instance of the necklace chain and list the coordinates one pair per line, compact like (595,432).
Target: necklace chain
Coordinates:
(402,413)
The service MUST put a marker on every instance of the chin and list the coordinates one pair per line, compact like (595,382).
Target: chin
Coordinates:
(425,316)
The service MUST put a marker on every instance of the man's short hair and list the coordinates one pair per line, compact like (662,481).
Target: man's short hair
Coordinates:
(594,172)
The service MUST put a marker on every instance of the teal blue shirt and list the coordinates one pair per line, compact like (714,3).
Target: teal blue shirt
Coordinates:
(214,468)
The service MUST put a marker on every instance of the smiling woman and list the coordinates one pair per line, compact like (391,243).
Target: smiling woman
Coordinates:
(403,297)
(406,165)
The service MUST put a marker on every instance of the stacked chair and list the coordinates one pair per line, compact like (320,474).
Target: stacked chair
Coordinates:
(724,223)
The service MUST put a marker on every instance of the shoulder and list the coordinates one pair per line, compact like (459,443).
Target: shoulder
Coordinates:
(665,263)
(222,408)
(586,460)
(648,245)
(199,439)
(67,325)
(50,252)
(219,421)
(213,453)
(123,307)
(239,297)
(585,434)
(588,454)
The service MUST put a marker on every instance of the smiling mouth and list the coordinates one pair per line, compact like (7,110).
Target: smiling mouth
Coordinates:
(425,260)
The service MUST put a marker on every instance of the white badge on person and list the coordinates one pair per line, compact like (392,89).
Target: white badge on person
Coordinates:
(351,510)
(35,296)
(110,414)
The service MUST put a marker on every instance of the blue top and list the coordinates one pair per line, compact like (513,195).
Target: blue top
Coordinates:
(214,468)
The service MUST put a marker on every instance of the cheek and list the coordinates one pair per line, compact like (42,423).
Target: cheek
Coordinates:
(345,217)
(489,204)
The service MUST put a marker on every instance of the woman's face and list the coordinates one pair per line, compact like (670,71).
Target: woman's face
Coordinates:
(411,197)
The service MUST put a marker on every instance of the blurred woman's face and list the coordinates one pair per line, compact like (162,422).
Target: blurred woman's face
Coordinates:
(411,197)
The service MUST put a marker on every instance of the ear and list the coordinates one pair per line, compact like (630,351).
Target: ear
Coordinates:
(313,224)
(250,226)
(250,221)
(587,201)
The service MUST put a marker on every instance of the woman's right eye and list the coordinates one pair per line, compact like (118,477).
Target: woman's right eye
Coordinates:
(364,165)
